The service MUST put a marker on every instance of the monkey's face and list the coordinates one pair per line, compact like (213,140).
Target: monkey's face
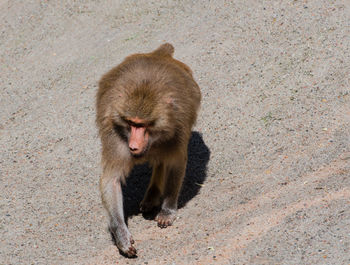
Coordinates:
(143,120)
(136,133)
(138,141)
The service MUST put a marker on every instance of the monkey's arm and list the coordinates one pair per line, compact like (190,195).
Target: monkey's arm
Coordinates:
(175,173)
(112,198)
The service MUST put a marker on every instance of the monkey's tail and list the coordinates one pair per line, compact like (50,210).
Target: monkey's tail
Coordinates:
(165,49)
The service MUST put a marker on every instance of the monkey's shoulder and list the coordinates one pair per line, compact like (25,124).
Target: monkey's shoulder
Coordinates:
(158,73)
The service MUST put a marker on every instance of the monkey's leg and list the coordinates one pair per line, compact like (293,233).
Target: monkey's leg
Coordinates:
(173,181)
(152,198)
(112,199)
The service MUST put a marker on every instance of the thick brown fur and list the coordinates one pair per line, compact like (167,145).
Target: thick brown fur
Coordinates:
(161,92)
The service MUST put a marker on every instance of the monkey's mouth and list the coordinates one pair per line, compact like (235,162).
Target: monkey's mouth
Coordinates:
(138,155)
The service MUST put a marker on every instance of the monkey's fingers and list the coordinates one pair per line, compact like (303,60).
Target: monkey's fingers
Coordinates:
(129,252)
(165,220)
(132,250)
(164,224)
(127,249)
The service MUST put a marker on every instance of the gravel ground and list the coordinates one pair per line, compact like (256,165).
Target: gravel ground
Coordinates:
(268,177)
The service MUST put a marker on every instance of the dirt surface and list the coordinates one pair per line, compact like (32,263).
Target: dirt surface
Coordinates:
(268,180)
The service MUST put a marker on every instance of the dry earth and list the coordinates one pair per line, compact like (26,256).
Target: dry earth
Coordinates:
(268,180)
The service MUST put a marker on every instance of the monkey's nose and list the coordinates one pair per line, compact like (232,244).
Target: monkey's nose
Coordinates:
(133,149)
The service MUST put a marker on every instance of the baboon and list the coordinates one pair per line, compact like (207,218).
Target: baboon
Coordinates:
(146,107)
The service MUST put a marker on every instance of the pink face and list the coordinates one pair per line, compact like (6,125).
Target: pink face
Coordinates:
(139,137)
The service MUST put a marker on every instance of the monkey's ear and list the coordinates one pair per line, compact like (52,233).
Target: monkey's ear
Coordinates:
(170,101)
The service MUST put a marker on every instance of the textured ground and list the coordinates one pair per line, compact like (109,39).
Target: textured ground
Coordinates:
(269,172)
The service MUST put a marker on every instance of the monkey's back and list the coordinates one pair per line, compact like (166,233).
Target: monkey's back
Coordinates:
(153,84)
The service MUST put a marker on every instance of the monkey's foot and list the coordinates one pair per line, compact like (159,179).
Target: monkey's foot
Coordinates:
(165,218)
(124,242)
(128,251)
(148,206)
(150,201)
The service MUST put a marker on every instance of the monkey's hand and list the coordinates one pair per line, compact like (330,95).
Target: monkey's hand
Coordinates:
(124,240)
(166,217)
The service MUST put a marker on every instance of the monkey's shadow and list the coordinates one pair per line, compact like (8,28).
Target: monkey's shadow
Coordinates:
(196,173)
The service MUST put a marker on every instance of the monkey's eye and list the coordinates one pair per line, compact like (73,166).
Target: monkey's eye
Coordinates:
(151,124)
(137,125)
(118,127)
(121,130)
(144,124)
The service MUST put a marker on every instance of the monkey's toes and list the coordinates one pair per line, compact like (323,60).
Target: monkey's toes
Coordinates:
(131,253)
(164,223)
(165,220)
(126,248)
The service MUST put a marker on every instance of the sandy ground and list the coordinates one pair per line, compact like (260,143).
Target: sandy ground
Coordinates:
(268,179)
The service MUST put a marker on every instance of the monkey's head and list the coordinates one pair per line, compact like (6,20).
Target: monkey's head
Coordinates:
(143,118)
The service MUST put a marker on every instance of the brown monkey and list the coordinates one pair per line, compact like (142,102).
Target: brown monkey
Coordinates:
(146,107)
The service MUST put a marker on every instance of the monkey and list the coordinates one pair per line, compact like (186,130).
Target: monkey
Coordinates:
(145,110)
